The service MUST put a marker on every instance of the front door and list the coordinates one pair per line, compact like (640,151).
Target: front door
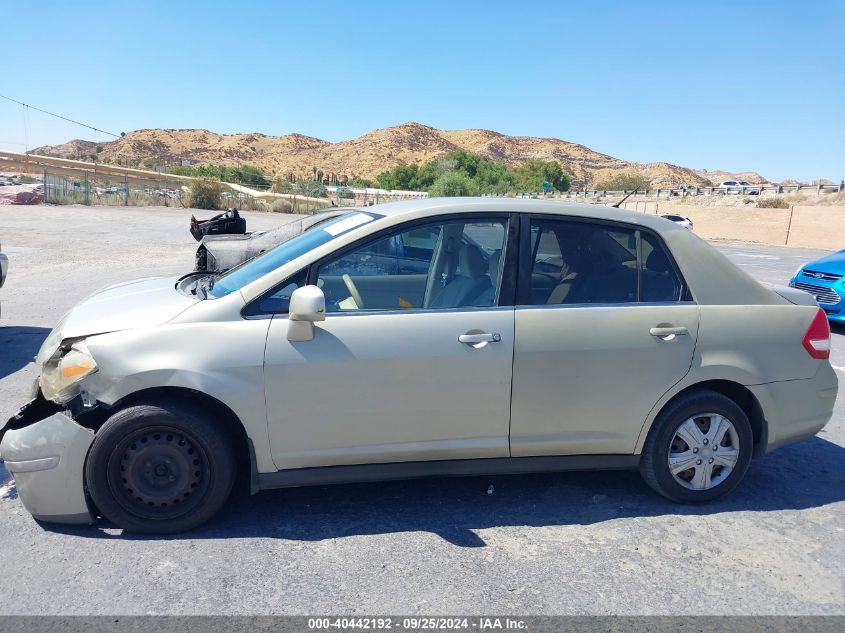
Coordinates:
(413,361)
(604,328)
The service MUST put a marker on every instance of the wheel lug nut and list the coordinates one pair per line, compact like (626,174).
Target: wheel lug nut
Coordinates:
(698,462)
(695,450)
(706,441)
(710,461)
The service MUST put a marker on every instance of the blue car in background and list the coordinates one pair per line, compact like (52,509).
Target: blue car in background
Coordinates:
(825,279)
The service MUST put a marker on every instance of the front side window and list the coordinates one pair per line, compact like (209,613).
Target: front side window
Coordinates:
(243,274)
(584,263)
(277,301)
(452,264)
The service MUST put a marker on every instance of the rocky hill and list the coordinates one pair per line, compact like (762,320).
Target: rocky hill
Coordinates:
(718,176)
(369,154)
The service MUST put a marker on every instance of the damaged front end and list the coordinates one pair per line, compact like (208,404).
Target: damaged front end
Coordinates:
(44,449)
(44,445)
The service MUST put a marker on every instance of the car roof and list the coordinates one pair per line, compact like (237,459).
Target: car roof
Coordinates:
(425,207)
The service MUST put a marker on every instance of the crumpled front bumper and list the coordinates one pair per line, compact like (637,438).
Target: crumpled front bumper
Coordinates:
(47,460)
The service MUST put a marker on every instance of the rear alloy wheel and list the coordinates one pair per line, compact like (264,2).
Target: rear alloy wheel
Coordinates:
(698,449)
(160,468)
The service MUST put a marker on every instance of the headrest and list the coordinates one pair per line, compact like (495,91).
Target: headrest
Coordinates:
(471,262)
(657,262)
(493,265)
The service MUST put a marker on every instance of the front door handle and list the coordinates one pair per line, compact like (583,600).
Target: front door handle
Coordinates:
(668,332)
(478,339)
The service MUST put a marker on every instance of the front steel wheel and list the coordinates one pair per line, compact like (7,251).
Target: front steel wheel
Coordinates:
(160,467)
(698,448)
(159,472)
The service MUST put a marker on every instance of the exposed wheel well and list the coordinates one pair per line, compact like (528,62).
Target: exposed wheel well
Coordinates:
(216,410)
(746,401)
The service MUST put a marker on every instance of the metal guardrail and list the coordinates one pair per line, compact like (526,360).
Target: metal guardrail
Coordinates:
(701,191)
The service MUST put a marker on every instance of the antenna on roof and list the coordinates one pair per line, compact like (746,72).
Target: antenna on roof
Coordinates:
(618,204)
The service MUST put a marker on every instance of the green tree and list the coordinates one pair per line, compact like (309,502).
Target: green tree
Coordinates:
(403,177)
(484,176)
(249,175)
(464,161)
(453,183)
(531,175)
(494,178)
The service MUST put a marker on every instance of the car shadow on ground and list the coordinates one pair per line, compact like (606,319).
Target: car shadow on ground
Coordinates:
(19,345)
(806,475)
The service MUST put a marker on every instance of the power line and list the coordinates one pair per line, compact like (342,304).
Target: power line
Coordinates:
(58,116)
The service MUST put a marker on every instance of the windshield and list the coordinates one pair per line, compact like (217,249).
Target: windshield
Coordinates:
(249,271)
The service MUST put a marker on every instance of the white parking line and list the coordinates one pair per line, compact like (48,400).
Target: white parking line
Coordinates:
(756,256)
(838,368)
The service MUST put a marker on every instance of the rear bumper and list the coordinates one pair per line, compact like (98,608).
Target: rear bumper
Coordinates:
(797,409)
(47,460)
(4,268)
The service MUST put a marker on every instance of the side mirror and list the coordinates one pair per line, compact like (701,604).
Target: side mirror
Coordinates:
(307,305)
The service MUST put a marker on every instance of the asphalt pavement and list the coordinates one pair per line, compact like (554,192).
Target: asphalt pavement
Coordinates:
(571,543)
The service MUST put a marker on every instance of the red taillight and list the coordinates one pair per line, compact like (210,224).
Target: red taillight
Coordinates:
(817,339)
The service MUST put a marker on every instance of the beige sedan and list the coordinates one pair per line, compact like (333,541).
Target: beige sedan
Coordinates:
(428,338)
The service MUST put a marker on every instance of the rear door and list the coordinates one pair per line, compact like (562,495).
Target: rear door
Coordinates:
(603,328)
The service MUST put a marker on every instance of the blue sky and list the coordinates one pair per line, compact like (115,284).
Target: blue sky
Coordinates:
(717,85)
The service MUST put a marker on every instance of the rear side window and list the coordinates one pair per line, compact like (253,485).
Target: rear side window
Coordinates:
(659,280)
(585,263)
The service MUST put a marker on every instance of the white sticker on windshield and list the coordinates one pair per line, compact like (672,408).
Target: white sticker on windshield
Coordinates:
(347,224)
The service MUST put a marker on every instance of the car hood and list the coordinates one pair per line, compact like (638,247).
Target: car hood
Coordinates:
(141,303)
(833,263)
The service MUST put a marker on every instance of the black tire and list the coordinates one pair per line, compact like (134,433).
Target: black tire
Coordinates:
(654,466)
(160,467)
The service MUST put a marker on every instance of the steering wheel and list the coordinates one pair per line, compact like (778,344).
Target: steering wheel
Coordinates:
(350,286)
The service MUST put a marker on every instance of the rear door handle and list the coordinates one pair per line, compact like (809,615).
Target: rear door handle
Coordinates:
(475,339)
(666,332)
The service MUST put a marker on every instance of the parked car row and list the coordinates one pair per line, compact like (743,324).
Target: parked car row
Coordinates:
(739,187)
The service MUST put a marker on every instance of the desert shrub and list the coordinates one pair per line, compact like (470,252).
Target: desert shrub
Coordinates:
(282,206)
(205,193)
(772,202)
